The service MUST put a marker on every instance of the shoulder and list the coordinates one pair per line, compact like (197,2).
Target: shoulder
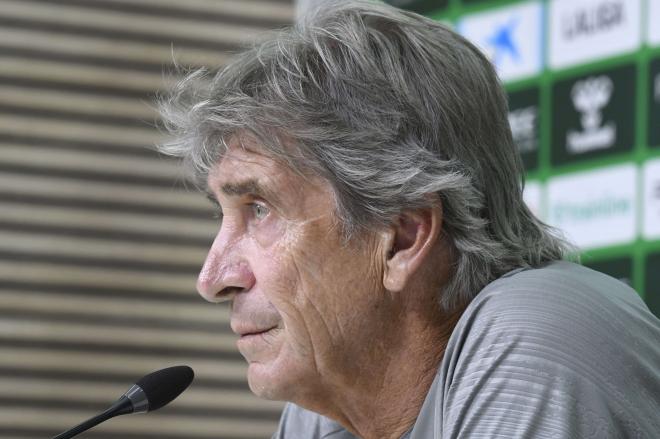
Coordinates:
(558,285)
(556,301)
(562,350)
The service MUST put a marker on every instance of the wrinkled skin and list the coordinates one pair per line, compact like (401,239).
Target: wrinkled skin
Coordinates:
(295,276)
(350,330)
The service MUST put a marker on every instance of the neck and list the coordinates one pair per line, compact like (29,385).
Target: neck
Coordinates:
(386,399)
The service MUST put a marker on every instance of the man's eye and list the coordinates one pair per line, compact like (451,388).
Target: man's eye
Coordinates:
(218,215)
(260,211)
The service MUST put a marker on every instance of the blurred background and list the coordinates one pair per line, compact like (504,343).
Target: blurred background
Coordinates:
(101,241)
(583,80)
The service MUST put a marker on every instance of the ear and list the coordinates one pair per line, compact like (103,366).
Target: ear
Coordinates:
(410,241)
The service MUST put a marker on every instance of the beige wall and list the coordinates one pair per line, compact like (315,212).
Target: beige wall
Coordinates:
(99,240)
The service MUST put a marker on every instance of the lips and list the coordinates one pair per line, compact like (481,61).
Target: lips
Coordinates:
(254,344)
(256,332)
(244,329)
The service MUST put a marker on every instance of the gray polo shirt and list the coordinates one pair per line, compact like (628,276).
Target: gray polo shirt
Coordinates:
(556,352)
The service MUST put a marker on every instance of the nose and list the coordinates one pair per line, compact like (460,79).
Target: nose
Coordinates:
(224,273)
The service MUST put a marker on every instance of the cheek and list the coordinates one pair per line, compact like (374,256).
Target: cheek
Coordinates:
(306,291)
(272,257)
(269,252)
(269,233)
(289,271)
(339,289)
(317,285)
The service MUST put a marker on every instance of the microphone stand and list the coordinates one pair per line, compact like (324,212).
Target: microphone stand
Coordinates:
(122,406)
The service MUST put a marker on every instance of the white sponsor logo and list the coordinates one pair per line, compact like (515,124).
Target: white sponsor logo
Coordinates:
(533,196)
(653,15)
(652,199)
(511,37)
(595,208)
(584,30)
(523,128)
(589,97)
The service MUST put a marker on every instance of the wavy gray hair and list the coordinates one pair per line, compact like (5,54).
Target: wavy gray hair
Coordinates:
(393,109)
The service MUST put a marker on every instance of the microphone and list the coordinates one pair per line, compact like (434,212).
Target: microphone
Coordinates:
(151,392)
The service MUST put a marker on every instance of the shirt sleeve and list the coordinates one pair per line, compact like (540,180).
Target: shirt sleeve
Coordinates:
(547,359)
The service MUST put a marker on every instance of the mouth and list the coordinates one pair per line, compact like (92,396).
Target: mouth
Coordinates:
(255,333)
(255,341)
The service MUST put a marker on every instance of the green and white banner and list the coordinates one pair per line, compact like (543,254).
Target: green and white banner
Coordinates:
(583,78)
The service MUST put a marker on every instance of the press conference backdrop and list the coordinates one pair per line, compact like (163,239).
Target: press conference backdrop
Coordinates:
(583,79)
(100,241)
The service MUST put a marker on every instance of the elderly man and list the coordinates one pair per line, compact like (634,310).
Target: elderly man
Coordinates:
(385,275)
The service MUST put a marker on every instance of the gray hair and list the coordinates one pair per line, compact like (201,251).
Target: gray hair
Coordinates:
(395,111)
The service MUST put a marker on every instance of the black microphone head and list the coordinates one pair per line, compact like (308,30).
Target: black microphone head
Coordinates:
(163,386)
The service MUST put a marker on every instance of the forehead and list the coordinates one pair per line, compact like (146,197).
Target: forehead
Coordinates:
(247,165)
(245,168)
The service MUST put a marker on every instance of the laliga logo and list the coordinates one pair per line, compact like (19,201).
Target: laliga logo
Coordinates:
(589,97)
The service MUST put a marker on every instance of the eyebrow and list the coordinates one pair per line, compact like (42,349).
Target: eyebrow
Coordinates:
(247,187)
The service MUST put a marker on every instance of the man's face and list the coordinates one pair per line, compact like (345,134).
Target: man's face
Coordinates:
(305,305)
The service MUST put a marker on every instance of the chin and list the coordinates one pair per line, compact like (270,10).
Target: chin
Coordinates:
(265,383)
(274,380)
